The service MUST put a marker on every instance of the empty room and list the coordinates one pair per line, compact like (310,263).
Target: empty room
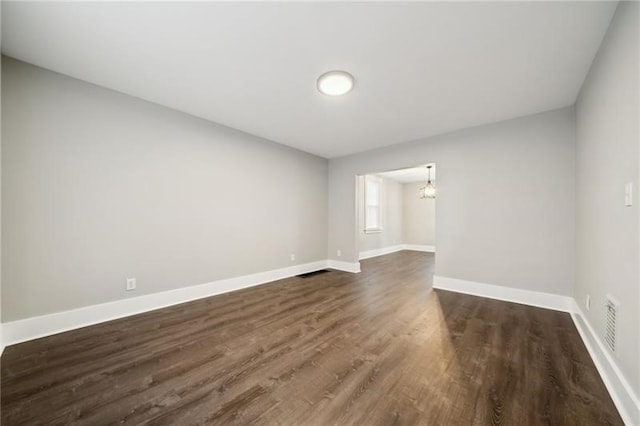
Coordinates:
(320,213)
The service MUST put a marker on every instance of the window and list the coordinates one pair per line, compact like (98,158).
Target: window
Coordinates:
(372,218)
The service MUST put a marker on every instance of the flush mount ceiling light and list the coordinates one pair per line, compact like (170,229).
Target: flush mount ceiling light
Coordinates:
(335,83)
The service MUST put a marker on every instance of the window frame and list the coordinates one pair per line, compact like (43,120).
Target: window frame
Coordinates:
(378,228)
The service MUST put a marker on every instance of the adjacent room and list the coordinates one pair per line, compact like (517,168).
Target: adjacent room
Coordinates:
(320,213)
(396,211)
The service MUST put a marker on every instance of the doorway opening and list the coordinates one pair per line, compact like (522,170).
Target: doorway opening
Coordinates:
(396,210)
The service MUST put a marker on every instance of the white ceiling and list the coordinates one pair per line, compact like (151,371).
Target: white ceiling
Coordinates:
(421,68)
(411,175)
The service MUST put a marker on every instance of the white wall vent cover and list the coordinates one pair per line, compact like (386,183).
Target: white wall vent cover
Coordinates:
(611,310)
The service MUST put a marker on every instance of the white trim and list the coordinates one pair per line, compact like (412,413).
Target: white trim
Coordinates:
(373,230)
(419,247)
(625,399)
(46,325)
(622,394)
(392,249)
(379,252)
(517,295)
(344,266)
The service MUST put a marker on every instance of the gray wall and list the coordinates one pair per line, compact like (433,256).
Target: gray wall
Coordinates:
(98,186)
(418,216)
(505,200)
(607,139)
(391,213)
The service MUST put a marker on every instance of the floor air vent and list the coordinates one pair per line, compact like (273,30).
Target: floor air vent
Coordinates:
(312,274)
(611,307)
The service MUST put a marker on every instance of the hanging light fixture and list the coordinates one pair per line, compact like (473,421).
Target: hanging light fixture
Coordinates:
(429,190)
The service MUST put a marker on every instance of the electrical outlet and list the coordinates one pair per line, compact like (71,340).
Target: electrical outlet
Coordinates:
(587,302)
(293,257)
(339,252)
(131,284)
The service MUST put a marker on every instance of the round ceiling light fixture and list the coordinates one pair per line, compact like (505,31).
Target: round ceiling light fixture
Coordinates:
(335,83)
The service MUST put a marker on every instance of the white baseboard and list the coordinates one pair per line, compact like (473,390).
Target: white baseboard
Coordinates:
(625,399)
(344,266)
(621,392)
(392,249)
(379,252)
(516,295)
(419,247)
(32,328)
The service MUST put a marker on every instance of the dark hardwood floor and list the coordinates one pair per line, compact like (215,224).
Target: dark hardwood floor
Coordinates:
(379,347)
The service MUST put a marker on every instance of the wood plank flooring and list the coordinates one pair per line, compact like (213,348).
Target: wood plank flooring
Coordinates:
(375,348)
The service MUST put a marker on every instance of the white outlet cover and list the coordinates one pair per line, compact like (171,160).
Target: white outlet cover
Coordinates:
(131,284)
(628,194)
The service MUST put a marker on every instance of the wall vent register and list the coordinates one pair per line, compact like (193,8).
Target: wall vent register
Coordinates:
(611,310)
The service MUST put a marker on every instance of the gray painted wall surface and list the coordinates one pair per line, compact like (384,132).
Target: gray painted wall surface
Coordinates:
(607,138)
(98,186)
(418,216)
(505,200)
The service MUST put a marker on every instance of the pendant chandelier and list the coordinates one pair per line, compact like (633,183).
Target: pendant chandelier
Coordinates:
(429,190)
